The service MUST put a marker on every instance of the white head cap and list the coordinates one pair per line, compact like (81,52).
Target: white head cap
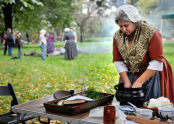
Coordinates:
(43,31)
(127,10)
(66,29)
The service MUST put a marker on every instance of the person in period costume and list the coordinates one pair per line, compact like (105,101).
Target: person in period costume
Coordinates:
(10,41)
(5,43)
(50,43)
(70,45)
(138,55)
(18,43)
(42,41)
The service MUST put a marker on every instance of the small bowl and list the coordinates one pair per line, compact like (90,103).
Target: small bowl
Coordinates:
(128,110)
(166,112)
(145,113)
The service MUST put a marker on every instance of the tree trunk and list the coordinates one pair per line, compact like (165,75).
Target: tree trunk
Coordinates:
(81,33)
(27,37)
(7,11)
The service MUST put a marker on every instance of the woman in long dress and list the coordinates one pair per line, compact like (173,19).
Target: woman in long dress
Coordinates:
(70,45)
(50,43)
(138,55)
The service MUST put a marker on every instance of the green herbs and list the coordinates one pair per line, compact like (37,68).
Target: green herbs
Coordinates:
(93,94)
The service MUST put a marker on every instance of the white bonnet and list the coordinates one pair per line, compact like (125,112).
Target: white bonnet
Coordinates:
(43,31)
(131,12)
(66,29)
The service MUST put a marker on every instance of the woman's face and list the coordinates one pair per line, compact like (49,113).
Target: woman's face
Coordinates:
(127,27)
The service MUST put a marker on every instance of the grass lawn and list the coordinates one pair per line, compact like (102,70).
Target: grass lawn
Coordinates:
(33,78)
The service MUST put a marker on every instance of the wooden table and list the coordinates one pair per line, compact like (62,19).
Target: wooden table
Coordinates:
(37,109)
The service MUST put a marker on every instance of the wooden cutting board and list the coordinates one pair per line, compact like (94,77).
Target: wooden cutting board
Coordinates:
(72,102)
(143,120)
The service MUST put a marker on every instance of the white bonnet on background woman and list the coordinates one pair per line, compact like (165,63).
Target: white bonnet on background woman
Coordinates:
(43,32)
(66,30)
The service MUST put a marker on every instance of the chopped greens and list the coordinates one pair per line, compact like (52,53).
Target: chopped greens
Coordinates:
(93,94)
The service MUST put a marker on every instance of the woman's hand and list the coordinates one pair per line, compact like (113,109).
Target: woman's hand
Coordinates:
(137,85)
(143,78)
(127,85)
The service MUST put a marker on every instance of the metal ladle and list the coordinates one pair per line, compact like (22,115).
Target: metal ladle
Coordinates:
(136,108)
(142,111)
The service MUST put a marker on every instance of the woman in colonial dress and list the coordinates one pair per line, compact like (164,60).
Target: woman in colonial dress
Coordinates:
(42,42)
(138,55)
(50,43)
(19,43)
(70,45)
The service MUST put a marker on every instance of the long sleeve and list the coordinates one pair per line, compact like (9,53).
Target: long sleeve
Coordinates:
(155,65)
(120,66)
(116,53)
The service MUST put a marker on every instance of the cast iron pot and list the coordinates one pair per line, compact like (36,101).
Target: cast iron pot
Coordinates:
(133,95)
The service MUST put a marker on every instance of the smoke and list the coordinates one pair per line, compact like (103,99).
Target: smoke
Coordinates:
(108,23)
(101,47)
(110,27)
